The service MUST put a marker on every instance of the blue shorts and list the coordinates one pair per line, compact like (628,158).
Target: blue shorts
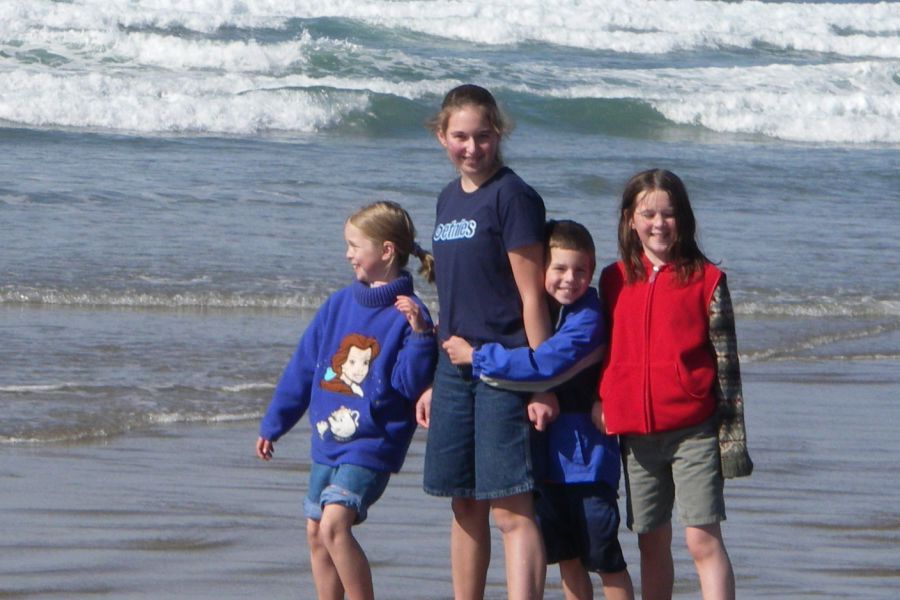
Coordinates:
(478,443)
(581,520)
(350,485)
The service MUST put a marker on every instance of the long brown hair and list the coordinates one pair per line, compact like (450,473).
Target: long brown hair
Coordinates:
(687,258)
(352,340)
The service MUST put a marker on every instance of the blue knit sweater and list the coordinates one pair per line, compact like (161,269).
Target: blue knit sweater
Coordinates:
(358,370)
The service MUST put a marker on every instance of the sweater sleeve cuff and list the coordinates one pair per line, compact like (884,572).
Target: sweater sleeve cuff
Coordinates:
(422,336)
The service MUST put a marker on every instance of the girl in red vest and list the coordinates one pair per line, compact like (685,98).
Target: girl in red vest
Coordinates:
(670,384)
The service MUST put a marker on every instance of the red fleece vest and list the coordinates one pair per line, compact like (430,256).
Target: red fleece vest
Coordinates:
(660,367)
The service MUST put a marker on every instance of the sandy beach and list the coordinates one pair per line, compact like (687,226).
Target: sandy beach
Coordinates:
(187,511)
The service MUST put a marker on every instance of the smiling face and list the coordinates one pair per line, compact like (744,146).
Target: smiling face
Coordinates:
(472,144)
(654,223)
(356,367)
(568,274)
(371,263)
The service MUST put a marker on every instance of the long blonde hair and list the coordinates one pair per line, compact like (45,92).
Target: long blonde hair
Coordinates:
(387,221)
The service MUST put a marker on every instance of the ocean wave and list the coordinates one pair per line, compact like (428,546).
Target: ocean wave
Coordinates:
(759,304)
(37,388)
(807,72)
(810,347)
(231,104)
(200,299)
(248,387)
(819,307)
(845,103)
(791,355)
(652,26)
(658,27)
(86,429)
(856,103)
(178,298)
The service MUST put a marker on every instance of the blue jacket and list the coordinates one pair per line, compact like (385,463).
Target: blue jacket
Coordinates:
(574,450)
(578,342)
(358,370)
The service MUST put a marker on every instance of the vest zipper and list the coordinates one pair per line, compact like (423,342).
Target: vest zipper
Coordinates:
(648,416)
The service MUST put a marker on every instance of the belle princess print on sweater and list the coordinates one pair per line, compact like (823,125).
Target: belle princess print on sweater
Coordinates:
(349,367)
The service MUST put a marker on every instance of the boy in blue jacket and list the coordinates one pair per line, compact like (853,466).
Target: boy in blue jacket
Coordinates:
(577,508)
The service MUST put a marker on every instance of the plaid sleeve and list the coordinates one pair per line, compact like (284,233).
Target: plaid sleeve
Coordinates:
(734,457)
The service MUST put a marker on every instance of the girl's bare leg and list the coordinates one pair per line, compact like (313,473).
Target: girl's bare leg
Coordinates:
(325,576)
(711,560)
(526,563)
(657,569)
(470,547)
(348,557)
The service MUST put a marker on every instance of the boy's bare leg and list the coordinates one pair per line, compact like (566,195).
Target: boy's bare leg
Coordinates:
(576,581)
(617,586)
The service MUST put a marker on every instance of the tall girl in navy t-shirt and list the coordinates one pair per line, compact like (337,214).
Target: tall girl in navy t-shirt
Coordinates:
(488,249)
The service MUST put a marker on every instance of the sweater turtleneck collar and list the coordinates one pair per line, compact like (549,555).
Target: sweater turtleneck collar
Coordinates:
(383,295)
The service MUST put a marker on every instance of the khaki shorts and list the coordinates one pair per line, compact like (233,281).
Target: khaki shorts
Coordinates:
(673,468)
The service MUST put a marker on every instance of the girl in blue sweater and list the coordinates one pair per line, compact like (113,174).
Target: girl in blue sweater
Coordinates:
(365,358)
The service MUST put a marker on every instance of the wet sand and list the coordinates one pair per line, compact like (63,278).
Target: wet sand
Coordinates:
(188,511)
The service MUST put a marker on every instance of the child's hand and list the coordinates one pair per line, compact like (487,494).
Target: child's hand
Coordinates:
(459,350)
(264,448)
(412,312)
(597,417)
(423,409)
(542,409)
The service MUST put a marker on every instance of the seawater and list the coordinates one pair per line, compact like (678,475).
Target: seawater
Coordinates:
(175,175)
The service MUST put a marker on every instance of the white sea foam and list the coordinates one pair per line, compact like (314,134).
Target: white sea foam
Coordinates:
(769,304)
(847,102)
(161,65)
(184,418)
(619,25)
(35,388)
(822,307)
(201,299)
(167,281)
(804,348)
(86,430)
(248,387)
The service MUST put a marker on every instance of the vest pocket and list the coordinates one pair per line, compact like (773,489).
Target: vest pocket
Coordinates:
(671,382)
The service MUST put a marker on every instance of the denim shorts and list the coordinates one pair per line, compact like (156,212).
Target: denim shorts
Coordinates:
(478,442)
(581,520)
(674,468)
(350,485)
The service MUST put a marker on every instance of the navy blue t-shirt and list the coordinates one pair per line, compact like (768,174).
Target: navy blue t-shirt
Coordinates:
(473,232)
